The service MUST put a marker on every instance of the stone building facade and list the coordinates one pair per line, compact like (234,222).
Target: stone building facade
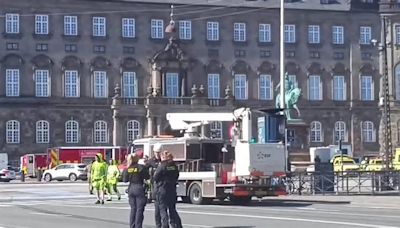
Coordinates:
(61,61)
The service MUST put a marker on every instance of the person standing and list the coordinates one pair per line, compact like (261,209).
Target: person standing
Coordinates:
(152,165)
(136,174)
(89,179)
(166,177)
(98,175)
(112,180)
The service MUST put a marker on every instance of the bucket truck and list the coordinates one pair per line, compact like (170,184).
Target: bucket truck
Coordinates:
(216,169)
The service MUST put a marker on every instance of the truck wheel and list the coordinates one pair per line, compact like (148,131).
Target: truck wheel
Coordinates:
(243,200)
(72,177)
(47,177)
(195,194)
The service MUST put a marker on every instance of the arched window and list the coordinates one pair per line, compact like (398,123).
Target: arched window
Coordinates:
(42,83)
(12,82)
(133,130)
(71,83)
(42,131)
(100,132)
(12,131)
(340,131)
(71,131)
(368,131)
(265,87)
(216,130)
(316,132)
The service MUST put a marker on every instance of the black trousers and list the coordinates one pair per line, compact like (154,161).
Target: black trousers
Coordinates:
(166,203)
(137,201)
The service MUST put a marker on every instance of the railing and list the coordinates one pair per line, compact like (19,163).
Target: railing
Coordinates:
(346,183)
(190,166)
(175,101)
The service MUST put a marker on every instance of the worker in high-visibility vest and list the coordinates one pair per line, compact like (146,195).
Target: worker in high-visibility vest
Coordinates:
(112,180)
(99,177)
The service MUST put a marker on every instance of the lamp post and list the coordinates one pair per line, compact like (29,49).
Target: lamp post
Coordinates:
(385,102)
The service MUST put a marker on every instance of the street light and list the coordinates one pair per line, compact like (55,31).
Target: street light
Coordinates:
(385,100)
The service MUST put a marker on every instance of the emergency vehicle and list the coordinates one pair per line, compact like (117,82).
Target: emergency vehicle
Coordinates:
(30,163)
(216,169)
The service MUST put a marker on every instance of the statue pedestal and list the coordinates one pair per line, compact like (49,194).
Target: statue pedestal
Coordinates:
(298,148)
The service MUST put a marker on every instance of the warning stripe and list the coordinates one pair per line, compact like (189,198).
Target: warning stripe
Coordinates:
(54,158)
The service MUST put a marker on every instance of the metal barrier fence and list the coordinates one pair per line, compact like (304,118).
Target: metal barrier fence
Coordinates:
(343,183)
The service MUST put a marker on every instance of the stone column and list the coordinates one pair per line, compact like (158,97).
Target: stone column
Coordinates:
(155,80)
(159,122)
(116,109)
(149,123)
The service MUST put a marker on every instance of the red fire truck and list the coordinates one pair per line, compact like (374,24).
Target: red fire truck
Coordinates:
(58,155)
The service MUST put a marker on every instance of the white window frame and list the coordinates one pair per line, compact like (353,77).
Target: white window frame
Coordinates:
(13,132)
(72,131)
(338,91)
(337,34)
(157,29)
(41,24)
(99,25)
(185,30)
(12,82)
(364,94)
(264,33)
(71,87)
(365,35)
(265,87)
(316,132)
(100,132)
(314,34)
(290,33)
(100,84)
(293,79)
(129,84)
(239,32)
(340,131)
(133,130)
(128,28)
(42,131)
(70,25)
(212,31)
(12,23)
(397,31)
(314,88)
(42,83)
(240,92)
(172,85)
(214,83)
(368,132)
(216,130)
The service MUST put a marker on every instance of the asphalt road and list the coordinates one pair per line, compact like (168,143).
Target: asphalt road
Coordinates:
(66,205)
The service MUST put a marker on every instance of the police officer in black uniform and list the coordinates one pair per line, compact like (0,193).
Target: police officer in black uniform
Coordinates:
(135,174)
(152,165)
(166,177)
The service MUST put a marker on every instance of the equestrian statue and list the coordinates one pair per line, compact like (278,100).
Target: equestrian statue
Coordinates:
(292,95)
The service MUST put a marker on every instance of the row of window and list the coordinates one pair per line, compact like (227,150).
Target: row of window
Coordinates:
(128,29)
(368,132)
(72,131)
(133,131)
(71,85)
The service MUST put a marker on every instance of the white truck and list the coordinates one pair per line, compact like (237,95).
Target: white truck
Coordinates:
(216,169)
